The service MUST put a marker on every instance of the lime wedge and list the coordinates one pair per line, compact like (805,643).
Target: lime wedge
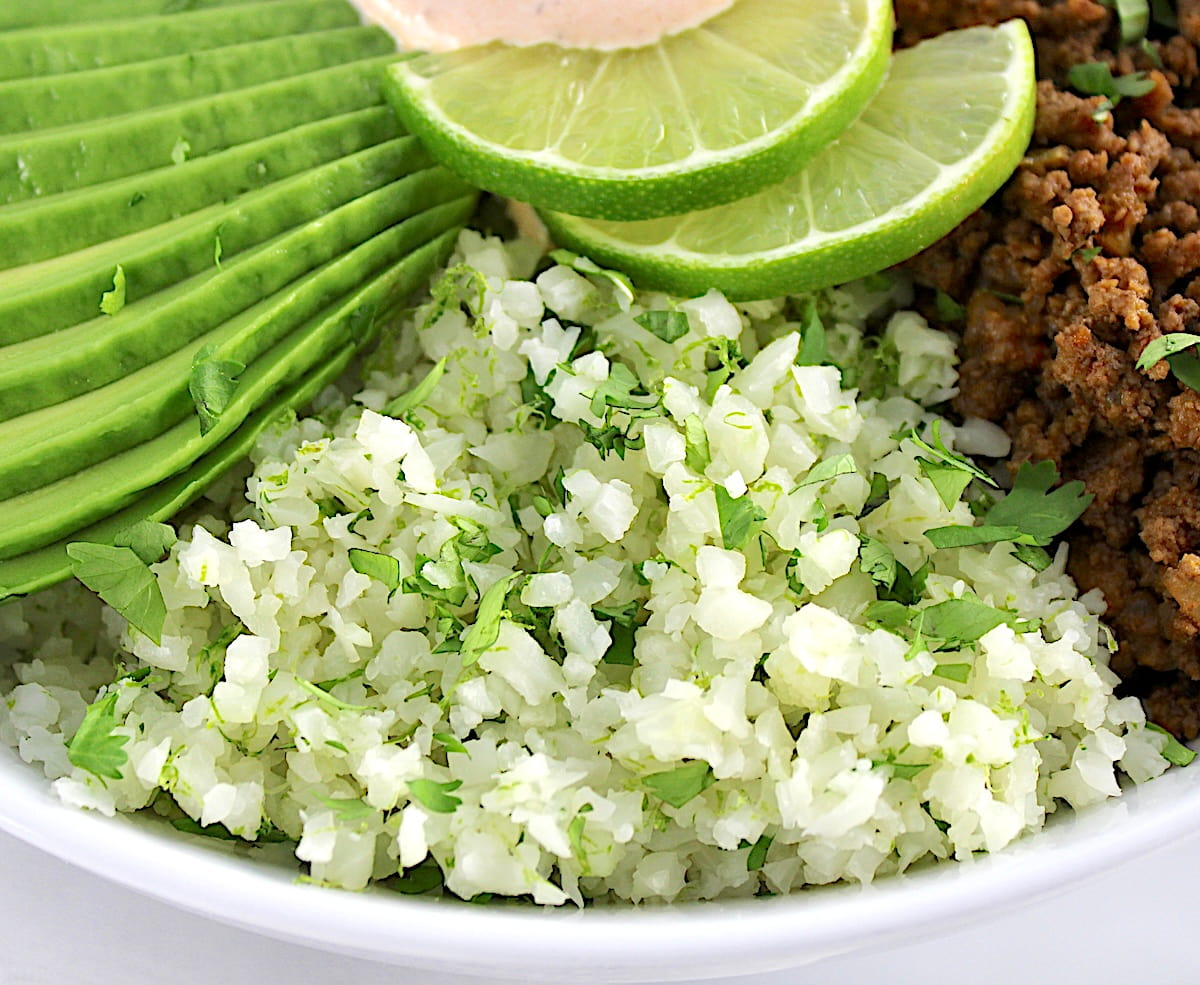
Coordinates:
(702,117)
(947,129)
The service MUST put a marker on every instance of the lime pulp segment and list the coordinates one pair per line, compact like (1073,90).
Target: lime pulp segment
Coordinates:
(702,117)
(945,132)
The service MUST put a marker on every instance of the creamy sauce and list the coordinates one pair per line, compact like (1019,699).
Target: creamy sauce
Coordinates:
(443,25)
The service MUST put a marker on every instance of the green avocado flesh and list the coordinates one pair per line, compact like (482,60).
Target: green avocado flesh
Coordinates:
(197,193)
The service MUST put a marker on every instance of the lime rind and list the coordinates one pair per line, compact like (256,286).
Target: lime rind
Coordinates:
(787,238)
(709,139)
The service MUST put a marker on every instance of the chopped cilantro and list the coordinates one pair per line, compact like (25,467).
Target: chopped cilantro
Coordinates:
(434,796)
(1096,79)
(960,536)
(741,519)
(1186,367)
(1033,556)
(1088,253)
(901,771)
(450,743)
(624,621)
(697,456)
(94,747)
(418,879)
(677,786)
(575,830)
(813,351)
(948,310)
(670,326)
(878,561)
(962,620)
(948,481)
(414,398)
(348,809)
(1036,510)
(150,541)
(757,855)
(113,301)
(123,580)
(191,826)
(939,454)
(621,283)
(953,672)
(382,567)
(326,698)
(831,468)
(212,384)
(1174,752)
(486,629)
(1166,345)
(619,391)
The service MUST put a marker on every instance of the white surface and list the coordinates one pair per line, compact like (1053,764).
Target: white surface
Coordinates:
(61,926)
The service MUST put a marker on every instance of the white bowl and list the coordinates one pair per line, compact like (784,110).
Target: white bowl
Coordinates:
(258,890)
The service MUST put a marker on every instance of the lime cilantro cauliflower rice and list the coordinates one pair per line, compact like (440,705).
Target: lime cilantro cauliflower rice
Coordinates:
(596,594)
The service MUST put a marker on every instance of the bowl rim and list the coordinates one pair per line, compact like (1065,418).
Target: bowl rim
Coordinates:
(612,944)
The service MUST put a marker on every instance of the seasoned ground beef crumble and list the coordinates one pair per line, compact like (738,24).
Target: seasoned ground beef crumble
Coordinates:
(1053,329)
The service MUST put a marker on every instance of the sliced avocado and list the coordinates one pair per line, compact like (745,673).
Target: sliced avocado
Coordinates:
(65,291)
(44,446)
(37,519)
(44,228)
(78,97)
(47,12)
(52,368)
(47,162)
(77,47)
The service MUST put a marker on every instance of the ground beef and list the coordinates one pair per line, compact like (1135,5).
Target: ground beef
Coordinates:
(1089,253)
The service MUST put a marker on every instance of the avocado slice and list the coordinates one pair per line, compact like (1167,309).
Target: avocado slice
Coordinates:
(46,445)
(47,12)
(65,291)
(37,519)
(44,228)
(47,370)
(79,46)
(79,97)
(50,161)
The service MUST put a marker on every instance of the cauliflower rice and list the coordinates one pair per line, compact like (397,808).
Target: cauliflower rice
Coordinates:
(675,688)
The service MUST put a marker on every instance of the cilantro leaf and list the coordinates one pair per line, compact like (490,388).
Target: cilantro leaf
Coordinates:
(1033,556)
(757,855)
(575,830)
(624,621)
(959,672)
(212,385)
(349,809)
(486,629)
(328,699)
(113,301)
(948,310)
(1174,752)
(94,747)
(813,351)
(831,468)
(697,456)
(901,771)
(961,536)
(676,787)
(123,580)
(1088,253)
(940,454)
(1133,16)
(1166,345)
(382,567)
(962,620)
(949,481)
(191,826)
(450,743)
(420,393)
(1096,79)
(670,326)
(1034,509)
(618,391)
(741,519)
(583,265)
(419,879)
(150,541)
(888,614)
(434,796)
(878,561)
(1186,368)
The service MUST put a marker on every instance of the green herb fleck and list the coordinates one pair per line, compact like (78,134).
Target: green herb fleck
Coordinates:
(757,855)
(741,519)
(697,456)
(150,541)
(123,580)
(486,629)
(677,786)
(382,567)
(94,747)
(414,398)
(348,810)
(670,326)
(953,672)
(947,309)
(212,384)
(434,796)
(1166,345)
(1174,752)
(813,350)
(831,468)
